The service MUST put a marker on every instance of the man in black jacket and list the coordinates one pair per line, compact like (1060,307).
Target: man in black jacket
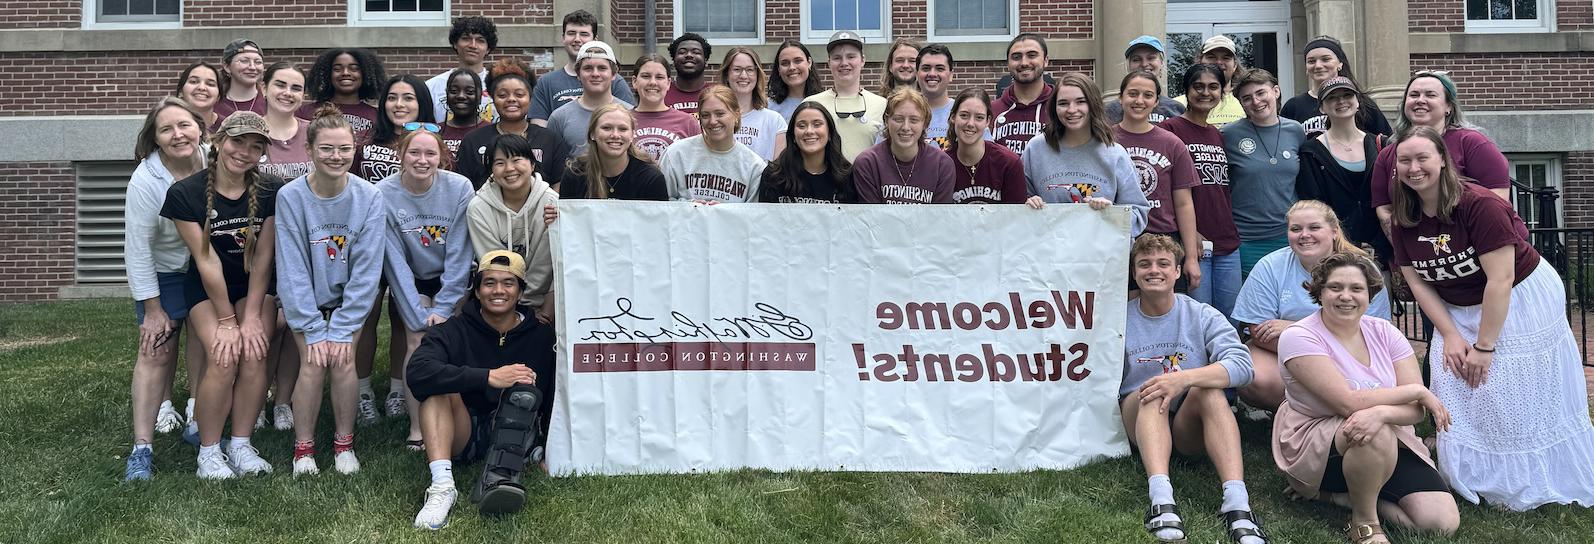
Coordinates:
(485,382)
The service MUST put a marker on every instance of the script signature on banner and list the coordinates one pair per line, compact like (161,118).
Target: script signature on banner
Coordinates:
(625,324)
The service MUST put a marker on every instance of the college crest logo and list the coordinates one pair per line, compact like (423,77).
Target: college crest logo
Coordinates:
(1441,243)
(1247,145)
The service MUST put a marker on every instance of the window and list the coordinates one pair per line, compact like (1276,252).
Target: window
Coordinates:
(398,12)
(730,22)
(869,18)
(973,20)
(1510,16)
(132,13)
(1537,172)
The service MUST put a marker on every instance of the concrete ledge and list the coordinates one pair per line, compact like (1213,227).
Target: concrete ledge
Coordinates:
(58,40)
(95,291)
(1537,131)
(1533,42)
(68,138)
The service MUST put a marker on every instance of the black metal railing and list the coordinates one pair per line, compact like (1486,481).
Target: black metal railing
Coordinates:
(1569,250)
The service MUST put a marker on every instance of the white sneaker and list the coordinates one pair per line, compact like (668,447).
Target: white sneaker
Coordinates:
(260,420)
(434,512)
(167,420)
(305,466)
(189,413)
(214,467)
(246,461)
(346,462)
(395,404)
(283,414)
(367,415)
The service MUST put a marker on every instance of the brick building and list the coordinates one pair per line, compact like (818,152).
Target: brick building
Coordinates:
(79,74)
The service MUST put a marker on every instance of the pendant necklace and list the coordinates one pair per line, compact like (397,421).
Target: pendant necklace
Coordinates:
(1271,159)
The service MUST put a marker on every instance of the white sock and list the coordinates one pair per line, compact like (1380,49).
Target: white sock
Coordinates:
(142,446)
(442,471)
(213,449)
(1235,497)
(395,385)
(190,412)
(365,386)
(167,405)
(237,443)
(1161,490)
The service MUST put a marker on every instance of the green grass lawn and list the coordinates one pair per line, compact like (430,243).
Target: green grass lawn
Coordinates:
(64,372)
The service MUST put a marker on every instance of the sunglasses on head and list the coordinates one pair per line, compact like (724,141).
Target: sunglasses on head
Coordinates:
(417,125)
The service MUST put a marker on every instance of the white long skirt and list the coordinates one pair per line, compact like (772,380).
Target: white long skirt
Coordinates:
(1523,439)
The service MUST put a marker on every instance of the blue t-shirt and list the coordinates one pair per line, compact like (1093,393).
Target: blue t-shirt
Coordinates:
(1263,162)
(558,88)
(1274,291)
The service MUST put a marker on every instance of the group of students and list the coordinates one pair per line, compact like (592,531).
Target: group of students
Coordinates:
(274,210)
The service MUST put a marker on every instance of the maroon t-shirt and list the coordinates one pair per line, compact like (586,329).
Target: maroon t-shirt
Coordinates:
(682,101)
(1164,165)
(1476,158)
(360,116)
(1213,209)
(1447,255)
(997,179)
(881,179)
(656,130)
(453,135)
(225,107)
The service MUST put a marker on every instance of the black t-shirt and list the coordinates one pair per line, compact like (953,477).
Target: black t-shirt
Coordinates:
(373,162)
(547,147)
(639,181)
(185,201)
(815,188)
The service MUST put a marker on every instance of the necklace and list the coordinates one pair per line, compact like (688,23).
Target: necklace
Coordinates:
(1270,158)
(236,106)
(1337,145)
(914,165)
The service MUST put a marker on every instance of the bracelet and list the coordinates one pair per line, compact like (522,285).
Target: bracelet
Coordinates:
(224,319)
(1476,348)
(226,328)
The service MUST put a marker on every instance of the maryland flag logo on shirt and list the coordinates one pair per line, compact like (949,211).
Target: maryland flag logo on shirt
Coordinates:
(334,246)
(1169,363)
(1440,242)
(428,234)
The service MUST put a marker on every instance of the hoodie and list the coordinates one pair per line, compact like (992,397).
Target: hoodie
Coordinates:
(494,226)
(1014,123)
(456,356)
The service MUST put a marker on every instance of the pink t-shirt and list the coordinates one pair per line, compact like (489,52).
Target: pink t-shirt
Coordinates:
(289,159)
(1385,345)
(1164,165)
(656,130)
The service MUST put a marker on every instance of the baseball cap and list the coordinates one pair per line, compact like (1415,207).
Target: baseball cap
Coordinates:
(1337,83)
(1219,42)
(237,46)
(503,260)
(596,50)
(1147,41)
(844,37)
(244,122)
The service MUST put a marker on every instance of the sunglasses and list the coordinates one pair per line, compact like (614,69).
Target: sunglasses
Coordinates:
(417,125)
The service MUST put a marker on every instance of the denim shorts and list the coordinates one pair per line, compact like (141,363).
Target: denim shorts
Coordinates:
(172,297)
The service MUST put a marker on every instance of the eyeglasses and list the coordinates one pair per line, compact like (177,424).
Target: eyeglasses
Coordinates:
(744,70)
(328,150)
(417,125)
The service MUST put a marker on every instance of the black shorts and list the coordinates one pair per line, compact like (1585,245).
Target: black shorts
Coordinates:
(1411,475)
(429,288)
(481,433)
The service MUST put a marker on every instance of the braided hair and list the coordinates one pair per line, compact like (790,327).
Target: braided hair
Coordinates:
(252,181)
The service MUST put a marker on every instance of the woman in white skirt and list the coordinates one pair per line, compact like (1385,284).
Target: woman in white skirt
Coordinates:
(1512,379)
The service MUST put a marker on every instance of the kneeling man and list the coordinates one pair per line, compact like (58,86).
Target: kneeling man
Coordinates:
(485,383)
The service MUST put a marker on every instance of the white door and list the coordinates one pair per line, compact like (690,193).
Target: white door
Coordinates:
(1260,30)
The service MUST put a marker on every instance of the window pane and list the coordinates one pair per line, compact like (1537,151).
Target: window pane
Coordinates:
(431,5)
(376,5)
(141,7)
(113,7)
(869,15)
(721,18)
(403,5)
(1527,9)
(168,7)
(1478,10)
(846,14)
(823,15)
(972,17)
(1500,10)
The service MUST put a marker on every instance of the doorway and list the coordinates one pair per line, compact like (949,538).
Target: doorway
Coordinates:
(1260,30)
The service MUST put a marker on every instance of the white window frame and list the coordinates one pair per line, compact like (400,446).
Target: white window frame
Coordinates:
(1552,178)
(680,27)
(823,36)
(91,20)
(1545,22)
(934,36)
(359,17)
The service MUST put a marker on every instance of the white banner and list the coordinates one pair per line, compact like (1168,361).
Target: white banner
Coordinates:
(874,338)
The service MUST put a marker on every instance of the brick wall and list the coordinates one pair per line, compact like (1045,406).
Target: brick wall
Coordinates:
(41,14)
(105,83)
(1500,81)
(1061,19)
(1577,189)
(1574,15)
(37,207)
(1436,15)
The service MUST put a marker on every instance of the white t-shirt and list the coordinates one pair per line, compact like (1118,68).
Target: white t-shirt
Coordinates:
(438,86)
(760,129)
(1274,291)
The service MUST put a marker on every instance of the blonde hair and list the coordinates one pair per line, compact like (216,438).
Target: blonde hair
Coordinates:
(908,96)
(1341,245)
(589,163)
(760,83)
(726,96)
(252,181)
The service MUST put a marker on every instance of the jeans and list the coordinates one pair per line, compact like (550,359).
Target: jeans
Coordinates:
(1220,282)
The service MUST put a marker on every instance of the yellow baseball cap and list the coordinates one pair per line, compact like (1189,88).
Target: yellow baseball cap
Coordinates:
(503,260)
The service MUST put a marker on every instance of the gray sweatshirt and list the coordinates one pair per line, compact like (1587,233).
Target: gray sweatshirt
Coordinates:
(329,257)
(1190,336)
(427,238)
(696,172)
(1073,174)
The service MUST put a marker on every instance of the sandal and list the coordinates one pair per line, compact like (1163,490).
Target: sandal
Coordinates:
(1364,533)
(415,445)
(1154,526)
(1236,533)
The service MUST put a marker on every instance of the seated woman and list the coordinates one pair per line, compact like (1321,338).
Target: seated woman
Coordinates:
(1179,356)
(1352,392)
(1271,298)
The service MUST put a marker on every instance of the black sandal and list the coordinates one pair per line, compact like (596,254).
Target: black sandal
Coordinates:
(1154,526)
(1236,533)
